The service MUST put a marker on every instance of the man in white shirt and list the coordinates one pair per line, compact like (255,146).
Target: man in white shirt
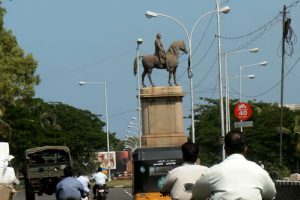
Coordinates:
(180,180)
(100,179)
(84,180)
(235,177)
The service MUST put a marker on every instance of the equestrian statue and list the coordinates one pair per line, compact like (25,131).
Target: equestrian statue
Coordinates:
(161,60)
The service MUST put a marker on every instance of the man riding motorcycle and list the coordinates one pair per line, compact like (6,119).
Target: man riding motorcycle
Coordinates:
(100,180)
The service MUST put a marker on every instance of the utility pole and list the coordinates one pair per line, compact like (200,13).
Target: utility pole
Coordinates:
(220,78)
(284,35)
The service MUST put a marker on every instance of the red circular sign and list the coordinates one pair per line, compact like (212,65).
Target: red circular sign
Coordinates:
(243,111)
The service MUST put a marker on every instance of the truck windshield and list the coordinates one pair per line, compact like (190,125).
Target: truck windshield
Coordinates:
(47,157)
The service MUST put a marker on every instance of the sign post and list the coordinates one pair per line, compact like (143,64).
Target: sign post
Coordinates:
(243,111)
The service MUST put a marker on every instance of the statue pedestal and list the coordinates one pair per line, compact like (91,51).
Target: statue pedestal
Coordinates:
(162,116)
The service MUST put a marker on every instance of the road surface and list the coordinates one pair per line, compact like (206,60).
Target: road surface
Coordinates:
(114,194)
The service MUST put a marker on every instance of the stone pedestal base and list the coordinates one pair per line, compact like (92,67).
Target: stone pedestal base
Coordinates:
(162,116)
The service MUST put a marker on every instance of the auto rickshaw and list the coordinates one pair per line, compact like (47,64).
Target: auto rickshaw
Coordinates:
(150,167)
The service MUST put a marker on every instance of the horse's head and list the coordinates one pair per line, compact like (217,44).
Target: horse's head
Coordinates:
(182,47)
(177,46)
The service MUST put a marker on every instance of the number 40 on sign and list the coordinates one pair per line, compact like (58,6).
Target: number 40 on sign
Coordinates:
(243,111)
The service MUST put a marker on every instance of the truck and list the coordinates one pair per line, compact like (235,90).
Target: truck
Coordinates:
(44,169)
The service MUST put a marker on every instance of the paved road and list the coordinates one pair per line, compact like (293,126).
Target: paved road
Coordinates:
(114,194)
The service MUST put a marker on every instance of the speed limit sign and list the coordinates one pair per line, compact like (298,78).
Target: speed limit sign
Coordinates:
(243,111)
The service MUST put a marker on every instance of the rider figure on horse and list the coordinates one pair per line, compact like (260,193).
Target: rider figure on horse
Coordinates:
(160,52)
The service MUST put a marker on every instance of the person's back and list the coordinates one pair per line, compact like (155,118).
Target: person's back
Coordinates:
(69,188)
(180,180)
(185,176)
(238,178)
(100,180)
(99,177)
(235,177)
(84,180)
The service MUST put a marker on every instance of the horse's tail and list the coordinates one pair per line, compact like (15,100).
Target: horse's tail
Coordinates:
(135,65)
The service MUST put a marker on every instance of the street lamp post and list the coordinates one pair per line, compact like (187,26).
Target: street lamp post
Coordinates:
(139,42)
(227,109)
(133,140)
(133,127)
(134,133)
(263,63)
(220,80)
(106,113)
(129,140)
(132,123)
(150,14)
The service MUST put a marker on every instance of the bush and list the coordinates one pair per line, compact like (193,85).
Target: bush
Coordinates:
(278,171)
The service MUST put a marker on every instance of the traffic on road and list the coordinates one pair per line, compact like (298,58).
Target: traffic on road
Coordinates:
(114,194)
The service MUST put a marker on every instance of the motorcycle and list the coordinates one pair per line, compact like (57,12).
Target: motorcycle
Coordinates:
(101,192)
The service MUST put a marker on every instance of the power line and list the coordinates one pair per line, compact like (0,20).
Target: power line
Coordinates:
(271,23)
(206,75)
(225,2)
(214,90)
(207,51)
(294,4)
(269,90)
(204,33)
(87,65)
(197,46)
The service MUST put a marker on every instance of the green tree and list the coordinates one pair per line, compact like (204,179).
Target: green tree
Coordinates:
(17,70)
(263,138)
(40,123)
(26,122)
(17,73)
(207,131)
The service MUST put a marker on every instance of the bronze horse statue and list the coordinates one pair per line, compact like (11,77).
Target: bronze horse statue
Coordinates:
(151,61)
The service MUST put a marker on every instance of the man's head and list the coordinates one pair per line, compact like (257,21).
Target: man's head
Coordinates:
(235,142)
(68,171)
(99,169)
(190,152)
(158,36)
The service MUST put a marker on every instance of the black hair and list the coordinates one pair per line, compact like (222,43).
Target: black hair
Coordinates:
(235,142)
(190,152)
(99,169)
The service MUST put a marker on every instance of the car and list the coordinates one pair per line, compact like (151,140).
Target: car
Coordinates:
(44,169)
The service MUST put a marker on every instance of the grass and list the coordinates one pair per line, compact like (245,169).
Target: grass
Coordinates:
(120,183)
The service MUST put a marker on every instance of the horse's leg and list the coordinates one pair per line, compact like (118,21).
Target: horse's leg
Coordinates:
(150,79)
(174,76)
(143,78)
(170,76)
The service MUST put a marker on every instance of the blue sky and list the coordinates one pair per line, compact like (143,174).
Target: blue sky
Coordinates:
(94,40)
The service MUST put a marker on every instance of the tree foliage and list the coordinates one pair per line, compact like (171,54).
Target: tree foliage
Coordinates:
(17,69)
(40,123)
(17,73)
(263,138)
(26,122)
